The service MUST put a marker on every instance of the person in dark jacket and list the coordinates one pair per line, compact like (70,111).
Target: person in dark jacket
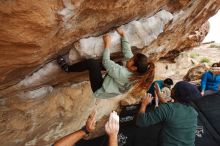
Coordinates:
(178,117)
(168,82)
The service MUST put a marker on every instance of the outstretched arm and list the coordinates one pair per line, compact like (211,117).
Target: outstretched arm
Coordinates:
(152,117)
(158,94)
(203,82)
(112,128)
(126,48)
(106,61)
(74,137)
(114,70)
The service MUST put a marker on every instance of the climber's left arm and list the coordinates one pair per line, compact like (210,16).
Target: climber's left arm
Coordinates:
(126,47)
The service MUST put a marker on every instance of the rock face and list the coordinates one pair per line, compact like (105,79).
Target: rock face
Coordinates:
(41,121)
(139,33)
(193,40)
(38,102)
(37,31)
(195,73)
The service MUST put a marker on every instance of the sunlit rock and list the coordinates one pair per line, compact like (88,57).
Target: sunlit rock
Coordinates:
(39,102)
(139,33)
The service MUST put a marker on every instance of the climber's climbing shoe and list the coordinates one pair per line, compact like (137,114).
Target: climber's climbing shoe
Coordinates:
(60,60)
(62,63)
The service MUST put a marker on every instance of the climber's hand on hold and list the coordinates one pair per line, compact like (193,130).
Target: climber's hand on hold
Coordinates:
(107,40)
(120,32)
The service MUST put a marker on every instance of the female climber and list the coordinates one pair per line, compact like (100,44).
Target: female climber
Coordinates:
(138,71)
(210,81)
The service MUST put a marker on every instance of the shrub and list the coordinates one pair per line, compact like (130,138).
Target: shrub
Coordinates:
(204,60)
(214,46)
(194,55)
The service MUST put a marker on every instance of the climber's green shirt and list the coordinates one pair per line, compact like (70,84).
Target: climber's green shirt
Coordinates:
(179,123)
(116,80)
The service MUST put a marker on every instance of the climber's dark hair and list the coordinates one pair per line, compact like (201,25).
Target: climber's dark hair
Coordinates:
(168,81)
(141,62)
(144,76)
(216,65)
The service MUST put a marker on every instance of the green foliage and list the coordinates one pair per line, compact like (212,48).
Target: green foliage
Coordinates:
(204,60)
(194,55)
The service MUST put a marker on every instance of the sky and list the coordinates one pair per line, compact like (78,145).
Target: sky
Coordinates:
(214,32)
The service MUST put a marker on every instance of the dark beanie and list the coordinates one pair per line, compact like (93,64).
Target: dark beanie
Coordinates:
(186,92)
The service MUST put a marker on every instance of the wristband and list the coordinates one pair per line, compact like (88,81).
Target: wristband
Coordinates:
(85,130)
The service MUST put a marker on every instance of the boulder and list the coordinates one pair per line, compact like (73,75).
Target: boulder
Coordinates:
(195,73)
(40,103)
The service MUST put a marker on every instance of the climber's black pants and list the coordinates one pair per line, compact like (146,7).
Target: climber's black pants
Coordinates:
(94,68)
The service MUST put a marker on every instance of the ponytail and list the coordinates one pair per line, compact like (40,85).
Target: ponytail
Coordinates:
(144,81)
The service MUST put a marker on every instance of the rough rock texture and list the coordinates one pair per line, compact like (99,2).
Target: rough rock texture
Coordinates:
(39,121)
(38,30)
(195,73)
(176,33)
(37,102)
(139,33)
(165,68)
(188,63)
(194,39)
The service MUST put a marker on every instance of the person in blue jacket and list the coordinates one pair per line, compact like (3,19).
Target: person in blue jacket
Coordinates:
(119,79)
(210,81)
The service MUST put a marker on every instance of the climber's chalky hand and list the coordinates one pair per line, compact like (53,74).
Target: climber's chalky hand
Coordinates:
(112,126)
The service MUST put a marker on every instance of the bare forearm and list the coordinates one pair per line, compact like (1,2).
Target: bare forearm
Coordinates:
(106,40)
(113,140)
(142,108)
(161,98)
(106,44)
(70,139)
